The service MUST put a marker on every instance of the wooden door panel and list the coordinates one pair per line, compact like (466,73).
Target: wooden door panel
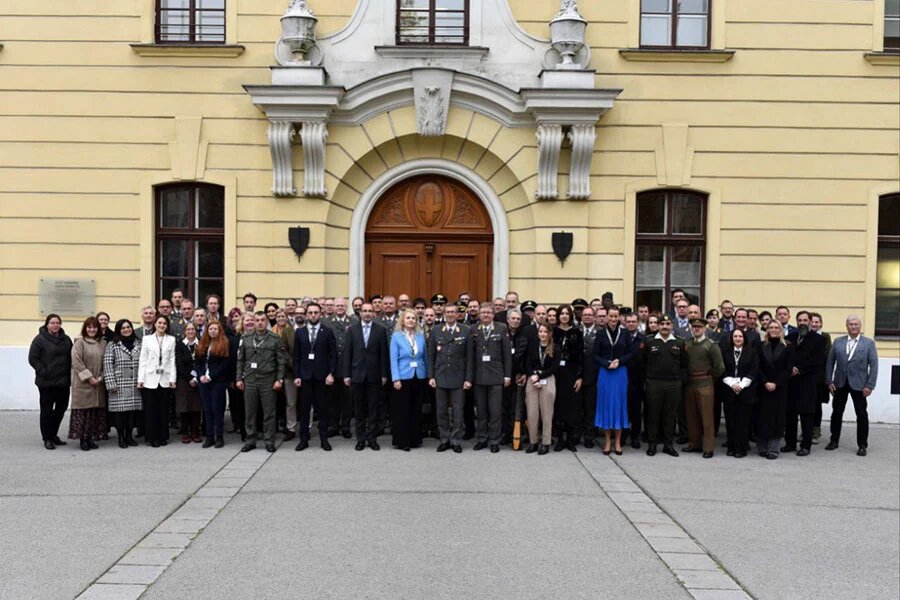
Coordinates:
(393,267)
(463,267)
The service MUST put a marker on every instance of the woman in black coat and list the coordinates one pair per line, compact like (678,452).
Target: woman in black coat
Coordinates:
(776,359)
(50,356)
(569,343)
(739,392)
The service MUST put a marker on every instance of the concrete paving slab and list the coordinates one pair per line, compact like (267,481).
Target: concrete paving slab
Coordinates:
(141,556)
(166,540)
(656,530)
(719,594)
(145,574)
(706,580)
(112,591)
(693,562)
(216,492)
(661,544)
(172,525)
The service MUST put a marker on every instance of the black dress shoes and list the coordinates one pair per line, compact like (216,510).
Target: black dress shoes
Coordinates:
(360,446)
(689,450)
(861,452)
(532,448)
(302,445)
(270,447)
(636,444)
(771,455)
(543,450)
(588,443)
(560,444)
(122,442)
(682,440)
(495,448)
(208,443)
(58,442)
(289,435)
(374,446)
(480,446)
(571,447)
(740,454)
(457,448)
(248,447)
(789,448)
(651,450)
(325,446)
(667,449)
(346,434)
(220,442)
(832,446)
(443,447)
(707,455)
(802,452)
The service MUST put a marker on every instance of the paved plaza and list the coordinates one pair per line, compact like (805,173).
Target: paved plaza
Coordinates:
(182,522)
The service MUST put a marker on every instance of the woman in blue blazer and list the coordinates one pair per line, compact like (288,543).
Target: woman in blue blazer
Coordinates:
(408,374)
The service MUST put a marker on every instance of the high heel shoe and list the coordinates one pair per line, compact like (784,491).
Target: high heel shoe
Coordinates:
(606,451)
(618,452)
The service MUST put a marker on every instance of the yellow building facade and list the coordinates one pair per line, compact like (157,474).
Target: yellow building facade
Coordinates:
(781,118)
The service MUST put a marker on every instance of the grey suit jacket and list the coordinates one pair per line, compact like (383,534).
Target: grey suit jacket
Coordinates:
(860,370)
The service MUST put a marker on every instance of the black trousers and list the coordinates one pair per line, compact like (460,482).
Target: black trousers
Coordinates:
(366,400)
(469,413)
(156,414)
(806,427)
(54,402)
(737,425)
(341,406)
(125,422)
(635,410)
(587,411)
(237,409)
(567,404)
(860,405)
(406,413)
(313,394)
(429,413)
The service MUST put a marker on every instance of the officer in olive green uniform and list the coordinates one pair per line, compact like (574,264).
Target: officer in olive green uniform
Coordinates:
(261,361)
(339,394)
(492,372)
(665,365)
(450,372)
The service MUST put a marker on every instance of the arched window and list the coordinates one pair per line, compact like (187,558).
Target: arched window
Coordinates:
(433,22)
(670,240)
(887,292)
(190,240)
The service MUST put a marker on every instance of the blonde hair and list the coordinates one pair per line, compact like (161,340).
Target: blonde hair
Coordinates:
(780,331)
(401,316)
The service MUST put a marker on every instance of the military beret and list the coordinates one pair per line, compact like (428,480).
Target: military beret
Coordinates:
(665,319)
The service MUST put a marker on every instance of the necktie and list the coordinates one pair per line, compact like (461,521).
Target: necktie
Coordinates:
(312,336)
(737,359)
(851,345)
(366,336)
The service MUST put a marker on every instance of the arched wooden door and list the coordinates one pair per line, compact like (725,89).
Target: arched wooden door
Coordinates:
(427,235)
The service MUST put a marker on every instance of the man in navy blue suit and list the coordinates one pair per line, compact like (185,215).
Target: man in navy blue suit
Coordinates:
(315,362)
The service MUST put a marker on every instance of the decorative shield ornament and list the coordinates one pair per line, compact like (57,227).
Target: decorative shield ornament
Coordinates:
(562,245)
(299,238)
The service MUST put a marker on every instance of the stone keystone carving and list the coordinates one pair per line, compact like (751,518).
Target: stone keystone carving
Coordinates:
(431,117)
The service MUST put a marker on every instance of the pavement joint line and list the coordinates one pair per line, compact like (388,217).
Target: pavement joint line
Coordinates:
(798,504)
(653,533)
(268,492)
(132,576)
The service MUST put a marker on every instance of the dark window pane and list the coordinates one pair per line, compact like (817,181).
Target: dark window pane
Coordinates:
(887,294)
(892,8)
(889,215)
(210,259)
(685,268)
(166,286)
(173,258)
(175,207)
(688,217)
(651,269)
(692,295)
(651,213)
(205,287)
(210,208)
(653,298)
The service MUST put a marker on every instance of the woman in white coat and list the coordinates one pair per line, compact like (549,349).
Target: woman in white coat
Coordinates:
(156,374)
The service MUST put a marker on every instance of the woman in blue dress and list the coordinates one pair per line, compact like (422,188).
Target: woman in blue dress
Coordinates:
(612,353)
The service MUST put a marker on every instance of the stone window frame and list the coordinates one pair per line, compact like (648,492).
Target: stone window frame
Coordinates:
(148,45)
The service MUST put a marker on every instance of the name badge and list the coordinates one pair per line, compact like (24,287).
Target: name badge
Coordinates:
(253,365)
(543,382)
(413,364)
(311,356)
(513,350)
(438,347)
(562,363)
(486,358)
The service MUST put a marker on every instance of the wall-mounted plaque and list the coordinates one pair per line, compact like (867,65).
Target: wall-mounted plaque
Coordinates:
(68,297)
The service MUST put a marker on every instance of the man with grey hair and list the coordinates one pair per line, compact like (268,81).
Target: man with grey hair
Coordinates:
(851,370)
(148,315)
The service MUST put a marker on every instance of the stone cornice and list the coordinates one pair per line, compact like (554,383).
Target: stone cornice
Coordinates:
(891,59)
(440,52)
(189,50)
(676,55)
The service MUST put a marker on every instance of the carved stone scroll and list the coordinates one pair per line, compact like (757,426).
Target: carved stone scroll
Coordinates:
(281,137)
(582,138)
(312,136)
(549,146)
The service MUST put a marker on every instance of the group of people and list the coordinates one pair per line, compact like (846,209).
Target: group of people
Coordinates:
(500,372)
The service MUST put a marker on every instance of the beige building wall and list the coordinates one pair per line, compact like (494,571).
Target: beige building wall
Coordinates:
(793,138)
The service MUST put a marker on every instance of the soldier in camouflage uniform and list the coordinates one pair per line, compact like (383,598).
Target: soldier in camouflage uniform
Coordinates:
(261,361)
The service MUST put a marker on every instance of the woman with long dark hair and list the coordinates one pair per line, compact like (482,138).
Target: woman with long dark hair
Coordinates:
(542,364)
(88,417)
(156,375)
(739,392)
(50,355)
(105,331)
(612,353)
(568,342)
(187,392)
(121,362)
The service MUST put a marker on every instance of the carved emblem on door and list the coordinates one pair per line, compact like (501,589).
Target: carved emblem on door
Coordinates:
(429,203)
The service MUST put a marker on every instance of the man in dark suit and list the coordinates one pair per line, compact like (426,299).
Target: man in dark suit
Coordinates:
(783,314)
(809,354)
(635,382)
(366,370)
(512,301)
(315,363)
(493,372)
(449,374)
(589,377)
(851,370)
(339,394)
